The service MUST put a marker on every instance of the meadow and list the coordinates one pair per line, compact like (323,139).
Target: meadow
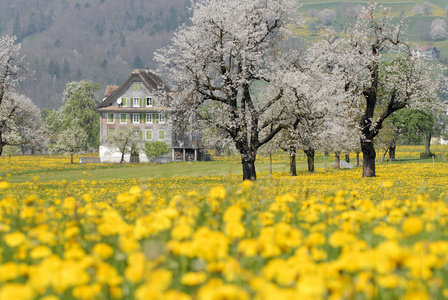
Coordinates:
(195,231)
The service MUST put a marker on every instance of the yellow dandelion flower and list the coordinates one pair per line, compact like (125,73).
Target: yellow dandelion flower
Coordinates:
(217,192)
(175,295)
(193,278)
(412,225)
(14,239)
(16,291)
(4,185)
(40,252)
(247,185)
(103,250)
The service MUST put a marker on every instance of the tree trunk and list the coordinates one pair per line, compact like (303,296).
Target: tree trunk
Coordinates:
(122,158)
(249,170)
(427,139)
(2,144)
(357,158)
(347,157)
(384,155)
(310,159)
(71,157)
(292,163)
(392,152)
(368,158)
(337,161)
(325,161)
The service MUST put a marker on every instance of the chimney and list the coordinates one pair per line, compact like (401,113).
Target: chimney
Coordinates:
(146,69)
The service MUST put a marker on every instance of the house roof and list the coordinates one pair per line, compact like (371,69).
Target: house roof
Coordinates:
(110,89)
(423,48)
(150,80)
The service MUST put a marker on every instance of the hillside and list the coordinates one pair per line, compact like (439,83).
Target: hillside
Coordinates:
(103,40)
(100,40)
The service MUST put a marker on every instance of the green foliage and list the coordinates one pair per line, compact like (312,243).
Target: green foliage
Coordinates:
(413,125)
(80,99)
(155,149)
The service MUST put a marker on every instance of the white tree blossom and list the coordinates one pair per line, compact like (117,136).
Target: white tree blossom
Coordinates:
(327,17)
(418,9)
(122,139)
(14,108)
(228,60)
(20,122)
(384,82)
(426,7)
(71,141)
(438,29)
(316,98)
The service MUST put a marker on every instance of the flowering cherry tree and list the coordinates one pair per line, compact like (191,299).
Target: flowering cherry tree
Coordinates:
(380,72)
(19,118)
(228,62)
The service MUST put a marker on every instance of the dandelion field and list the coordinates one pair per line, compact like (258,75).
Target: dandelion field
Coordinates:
(68,232)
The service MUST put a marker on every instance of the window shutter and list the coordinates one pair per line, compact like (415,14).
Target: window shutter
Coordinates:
(132,101)
(141,102)
(131,119)
(124,100)
(142,118)
(123,118)
(161,135)
(153,101)
(155,118)
(140,134)
(149,134)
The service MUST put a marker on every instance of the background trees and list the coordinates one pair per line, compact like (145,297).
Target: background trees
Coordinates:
(438,30)
(122,138)
(76,114)
(227,53)
(71,140)
(19,118)
(385,84)
(80,100)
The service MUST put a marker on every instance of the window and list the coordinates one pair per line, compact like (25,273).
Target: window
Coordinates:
(136,102)
(110,118)
(136,86)
(148,118)
(124,103)
(136,118)
(161,135)
(148,134)
(149,101)
(161,118)
(123,119)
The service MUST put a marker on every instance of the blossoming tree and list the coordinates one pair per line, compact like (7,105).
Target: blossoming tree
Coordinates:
(231,48)
(20,121)
(381,73)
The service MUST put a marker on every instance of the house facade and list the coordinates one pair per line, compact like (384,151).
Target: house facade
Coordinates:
(137,104)
(425,52)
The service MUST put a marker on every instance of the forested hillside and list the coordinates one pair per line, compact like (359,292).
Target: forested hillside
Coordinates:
(103,40)
(100,40)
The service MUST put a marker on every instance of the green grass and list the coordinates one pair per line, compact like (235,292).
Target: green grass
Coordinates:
(230,166)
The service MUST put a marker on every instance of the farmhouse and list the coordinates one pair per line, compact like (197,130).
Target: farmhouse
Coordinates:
(425,52)
(137,103)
